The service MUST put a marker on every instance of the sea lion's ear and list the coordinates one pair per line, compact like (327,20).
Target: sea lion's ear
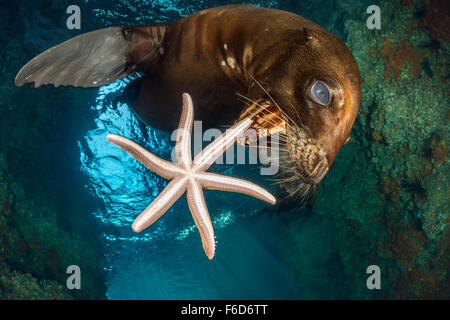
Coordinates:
(311,40)
(95,58)
(307,33)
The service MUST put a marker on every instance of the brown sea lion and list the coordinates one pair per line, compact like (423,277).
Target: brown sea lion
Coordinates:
(293,75)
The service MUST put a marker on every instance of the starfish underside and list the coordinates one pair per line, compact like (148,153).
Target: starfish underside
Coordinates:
(190,176)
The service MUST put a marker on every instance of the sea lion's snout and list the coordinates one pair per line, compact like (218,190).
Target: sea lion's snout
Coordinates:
(308,158)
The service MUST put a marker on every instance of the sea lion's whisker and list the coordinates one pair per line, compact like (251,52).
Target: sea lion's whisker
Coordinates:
(290,195)
(290,179)
(262,147)
(266,120)
(287,168)
(271,98)
(282,136)
(303,191)
(283,172)
(282,139)
(278,181)
(278,159)
(284,158)
(256,113)
(353,140)
(296,111)
(265,109)
(284,162)
(301,173)
(259,147)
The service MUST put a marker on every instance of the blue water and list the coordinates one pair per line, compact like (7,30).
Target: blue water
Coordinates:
(167,260)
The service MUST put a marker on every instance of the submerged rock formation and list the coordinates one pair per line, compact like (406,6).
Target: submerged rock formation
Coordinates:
(37,244)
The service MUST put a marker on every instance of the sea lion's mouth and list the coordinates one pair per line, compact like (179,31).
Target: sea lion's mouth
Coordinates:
(303,163)
(266,120)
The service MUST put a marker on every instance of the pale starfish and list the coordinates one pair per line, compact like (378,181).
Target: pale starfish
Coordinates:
(190,176)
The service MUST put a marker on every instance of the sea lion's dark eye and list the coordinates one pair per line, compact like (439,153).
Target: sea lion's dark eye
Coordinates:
(320,93)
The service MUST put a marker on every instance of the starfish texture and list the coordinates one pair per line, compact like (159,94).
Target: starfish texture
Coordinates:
(190,176)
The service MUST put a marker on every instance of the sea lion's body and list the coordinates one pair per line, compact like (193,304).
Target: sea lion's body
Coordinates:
(267,55)
(211,55)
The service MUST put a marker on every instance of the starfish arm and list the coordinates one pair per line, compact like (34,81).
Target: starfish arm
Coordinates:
(160,166)
(183,144)
(224,183)
(171,193)
(200,214)
(208,155)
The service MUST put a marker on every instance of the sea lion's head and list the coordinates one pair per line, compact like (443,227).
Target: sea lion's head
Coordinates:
(314,99)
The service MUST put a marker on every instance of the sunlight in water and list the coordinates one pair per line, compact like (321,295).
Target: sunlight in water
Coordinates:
(127,187)
(168,256)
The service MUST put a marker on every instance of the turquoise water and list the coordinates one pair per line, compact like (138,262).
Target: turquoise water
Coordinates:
(166,261)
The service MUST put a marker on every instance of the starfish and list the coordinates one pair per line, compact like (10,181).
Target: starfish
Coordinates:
(190,176)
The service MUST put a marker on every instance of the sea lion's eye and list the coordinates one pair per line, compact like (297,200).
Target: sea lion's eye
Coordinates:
(320,93)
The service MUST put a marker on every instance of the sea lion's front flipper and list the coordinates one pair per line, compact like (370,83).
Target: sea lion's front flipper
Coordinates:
(95,58)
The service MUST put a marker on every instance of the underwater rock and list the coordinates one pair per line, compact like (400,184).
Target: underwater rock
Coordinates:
(23,286)
(36,246)
(38,249)
(393,206)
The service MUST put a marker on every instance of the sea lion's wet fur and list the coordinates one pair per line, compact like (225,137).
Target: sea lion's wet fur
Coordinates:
(257,52)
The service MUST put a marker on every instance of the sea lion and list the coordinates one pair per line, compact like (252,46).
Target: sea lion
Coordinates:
(294,76)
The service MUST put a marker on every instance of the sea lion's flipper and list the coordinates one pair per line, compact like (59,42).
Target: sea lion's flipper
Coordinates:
(95,58)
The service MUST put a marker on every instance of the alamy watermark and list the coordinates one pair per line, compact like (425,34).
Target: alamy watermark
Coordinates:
(74,280)
(374,280)
(263,149)
(374,20)
(74,20)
